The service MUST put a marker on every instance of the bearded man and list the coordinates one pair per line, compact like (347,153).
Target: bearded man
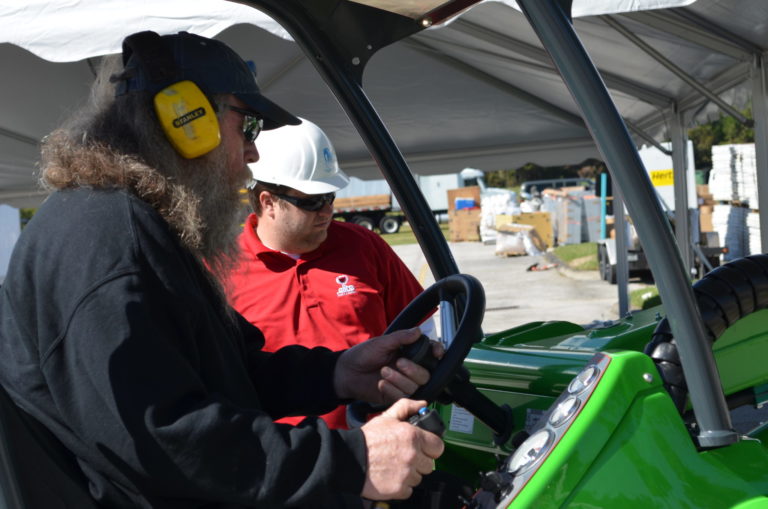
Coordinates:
(116,334)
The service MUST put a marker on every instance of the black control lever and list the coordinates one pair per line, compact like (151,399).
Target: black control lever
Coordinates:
(429,420)
(462,392)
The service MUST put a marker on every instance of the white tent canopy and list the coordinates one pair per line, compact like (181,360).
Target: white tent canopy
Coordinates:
(447,94)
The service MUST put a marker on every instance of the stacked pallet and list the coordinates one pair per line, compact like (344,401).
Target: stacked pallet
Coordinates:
(464,214)
(493,204)
(753,229)
(575,214)
(734,174)
(733,186)
(730,223)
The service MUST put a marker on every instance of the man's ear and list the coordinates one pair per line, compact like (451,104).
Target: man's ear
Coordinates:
(268,202)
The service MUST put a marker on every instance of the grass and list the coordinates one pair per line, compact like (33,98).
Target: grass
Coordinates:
(406,236)
(578,256)
(644,298)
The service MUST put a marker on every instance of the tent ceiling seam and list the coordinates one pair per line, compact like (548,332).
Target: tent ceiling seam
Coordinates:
(415,157)
(280,73)
(714,28)
(734,76)
(499,83)
(690,80)
(19,137)
(613,81)
(684,30)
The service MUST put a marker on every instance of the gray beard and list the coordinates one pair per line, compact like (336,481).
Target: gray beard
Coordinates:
(219,213)
(201,206)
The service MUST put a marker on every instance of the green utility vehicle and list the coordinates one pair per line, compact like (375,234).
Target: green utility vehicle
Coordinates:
(655,409)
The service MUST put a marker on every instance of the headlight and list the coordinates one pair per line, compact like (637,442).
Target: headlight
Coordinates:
(584,379)
(547,432)
(532,450)
(564,411)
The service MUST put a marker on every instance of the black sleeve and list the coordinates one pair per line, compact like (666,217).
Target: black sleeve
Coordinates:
(148,410)
(305,376)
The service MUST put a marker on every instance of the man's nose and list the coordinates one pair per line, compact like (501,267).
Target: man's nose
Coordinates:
(251,154)
(327,208)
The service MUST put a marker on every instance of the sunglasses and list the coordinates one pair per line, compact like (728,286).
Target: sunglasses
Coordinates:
(312,204)
(252,122)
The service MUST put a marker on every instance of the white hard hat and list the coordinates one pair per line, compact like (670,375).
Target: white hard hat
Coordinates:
(298,156)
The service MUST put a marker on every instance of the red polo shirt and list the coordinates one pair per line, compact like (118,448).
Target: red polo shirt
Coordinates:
(344,292)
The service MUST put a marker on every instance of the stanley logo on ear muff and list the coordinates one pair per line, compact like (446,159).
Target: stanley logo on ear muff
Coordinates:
(188,119)
(186,115)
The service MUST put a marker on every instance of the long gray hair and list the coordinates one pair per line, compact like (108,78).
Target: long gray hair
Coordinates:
(117,142)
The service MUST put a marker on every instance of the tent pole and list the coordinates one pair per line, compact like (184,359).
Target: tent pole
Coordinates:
(760,114)
(620,228)
(553,26)
(680,172)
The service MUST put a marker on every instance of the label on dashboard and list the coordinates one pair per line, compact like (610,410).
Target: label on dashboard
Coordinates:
(461,420)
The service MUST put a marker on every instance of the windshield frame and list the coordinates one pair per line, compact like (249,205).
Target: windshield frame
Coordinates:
(341,58)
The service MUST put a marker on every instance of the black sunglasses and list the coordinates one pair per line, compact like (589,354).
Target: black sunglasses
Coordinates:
(312,204)
(252,122)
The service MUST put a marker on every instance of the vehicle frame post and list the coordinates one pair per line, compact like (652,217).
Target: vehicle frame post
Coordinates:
(555,30)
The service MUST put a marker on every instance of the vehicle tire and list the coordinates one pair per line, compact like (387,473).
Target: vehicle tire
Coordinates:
(724,296)
(389,224)
(607,270)
(602,256)
(364,221)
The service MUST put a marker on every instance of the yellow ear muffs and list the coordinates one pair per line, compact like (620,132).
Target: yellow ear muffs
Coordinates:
(188,119)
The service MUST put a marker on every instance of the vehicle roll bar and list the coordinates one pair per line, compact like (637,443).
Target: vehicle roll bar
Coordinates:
(330,56)
(554,28)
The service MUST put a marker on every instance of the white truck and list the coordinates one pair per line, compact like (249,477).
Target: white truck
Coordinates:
(707,249)
(370,203)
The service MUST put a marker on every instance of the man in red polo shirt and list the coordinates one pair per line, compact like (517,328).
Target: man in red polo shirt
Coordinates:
(302,277)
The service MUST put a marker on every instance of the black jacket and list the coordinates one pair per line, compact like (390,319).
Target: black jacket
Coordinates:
(112,336)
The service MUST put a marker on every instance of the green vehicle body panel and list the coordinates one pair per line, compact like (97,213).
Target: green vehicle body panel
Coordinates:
(628,446)
(741,354)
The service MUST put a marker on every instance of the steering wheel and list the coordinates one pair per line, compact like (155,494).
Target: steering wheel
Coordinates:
(468,331)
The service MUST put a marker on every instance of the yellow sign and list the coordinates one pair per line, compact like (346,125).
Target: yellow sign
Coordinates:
(662,178)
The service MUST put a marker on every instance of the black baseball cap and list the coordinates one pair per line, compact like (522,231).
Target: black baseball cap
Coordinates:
(152,62)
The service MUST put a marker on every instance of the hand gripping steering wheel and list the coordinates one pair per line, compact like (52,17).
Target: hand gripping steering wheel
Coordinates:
(467,333)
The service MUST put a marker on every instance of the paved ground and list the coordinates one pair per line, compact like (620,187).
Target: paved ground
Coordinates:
(515,296)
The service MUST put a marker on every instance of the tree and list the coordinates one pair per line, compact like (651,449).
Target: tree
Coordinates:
(722,131)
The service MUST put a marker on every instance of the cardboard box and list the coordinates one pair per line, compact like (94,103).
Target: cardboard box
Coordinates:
(553,193)
(463,193)
(464,225)
(542,233)
(573,190)
(705,218)
(569,220)
(591,219)
(360,202)
(703,195)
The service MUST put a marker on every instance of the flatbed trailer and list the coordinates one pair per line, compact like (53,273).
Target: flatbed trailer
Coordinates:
(371,211)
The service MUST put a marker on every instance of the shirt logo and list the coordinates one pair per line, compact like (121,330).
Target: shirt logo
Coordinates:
(344,288)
